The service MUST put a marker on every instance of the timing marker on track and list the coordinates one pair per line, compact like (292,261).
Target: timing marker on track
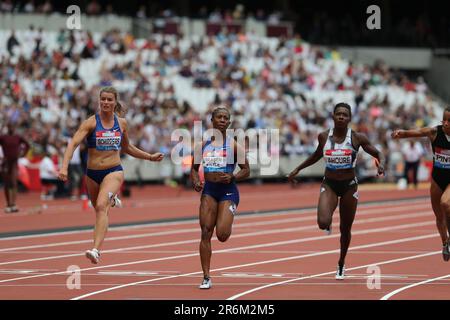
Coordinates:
(137,273)
(253,275)
(25,271)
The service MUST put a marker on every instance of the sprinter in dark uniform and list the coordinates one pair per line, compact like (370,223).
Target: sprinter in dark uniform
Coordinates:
(106,135)
(220,198)
(339,147)
(439,190)
(14,146)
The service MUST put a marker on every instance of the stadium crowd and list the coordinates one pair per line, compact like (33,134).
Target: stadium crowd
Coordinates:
(50,83)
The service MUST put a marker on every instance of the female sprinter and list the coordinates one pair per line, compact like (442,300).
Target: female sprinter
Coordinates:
(106,134)
(439,190)
(220,196)
(339,147)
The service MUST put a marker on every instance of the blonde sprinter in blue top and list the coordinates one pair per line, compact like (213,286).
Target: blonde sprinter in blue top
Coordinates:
(106,135)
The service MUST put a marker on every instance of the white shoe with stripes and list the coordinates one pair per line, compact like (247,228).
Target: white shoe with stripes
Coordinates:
(93,255)
(340,273)
(206,283)
(115,201)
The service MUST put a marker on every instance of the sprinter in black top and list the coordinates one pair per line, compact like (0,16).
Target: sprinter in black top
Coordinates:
(339,147)
(439,190)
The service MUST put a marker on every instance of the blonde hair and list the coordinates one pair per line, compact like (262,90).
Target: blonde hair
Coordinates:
(118,108)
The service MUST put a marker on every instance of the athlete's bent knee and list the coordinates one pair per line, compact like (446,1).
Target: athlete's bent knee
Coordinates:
(323,223)
(100,206)
(223,236)
(445,205)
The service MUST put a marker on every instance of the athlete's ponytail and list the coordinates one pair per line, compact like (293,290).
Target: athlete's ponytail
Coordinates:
(121,109)
(118,109)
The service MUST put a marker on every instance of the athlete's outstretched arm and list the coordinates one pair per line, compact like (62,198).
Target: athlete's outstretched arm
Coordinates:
(197,157)
(134,151)
(244,173)
(424,132)
(313,158)
(374,152)
(87,126)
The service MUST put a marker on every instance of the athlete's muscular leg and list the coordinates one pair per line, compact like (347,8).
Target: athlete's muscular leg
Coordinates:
(207,217)
(347,210)
(436,195)
(445,206)
(99,195)
(328,201)
(92,189)
(225,217)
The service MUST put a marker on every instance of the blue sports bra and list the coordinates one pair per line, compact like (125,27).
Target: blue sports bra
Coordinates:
(218,159)
(105,139)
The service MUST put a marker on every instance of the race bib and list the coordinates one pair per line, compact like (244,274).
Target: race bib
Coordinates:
(338,159)
(442,158)
(107,140)
(214,162)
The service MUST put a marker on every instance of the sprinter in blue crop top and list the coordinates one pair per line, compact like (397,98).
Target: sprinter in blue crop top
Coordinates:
(107,136)
(339,146)
(220,196)
(439,137)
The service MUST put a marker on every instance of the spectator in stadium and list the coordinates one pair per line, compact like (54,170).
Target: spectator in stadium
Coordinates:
(412,153)
(29,7)
(75,173)
(263,85)
(14,146)
(142,12)
(46,7)
(49,177)
(12,42)
(93,8)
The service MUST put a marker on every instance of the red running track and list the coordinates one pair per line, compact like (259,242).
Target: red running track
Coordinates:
(272,255)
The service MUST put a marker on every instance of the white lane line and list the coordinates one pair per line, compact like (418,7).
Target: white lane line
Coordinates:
(192,199)
(387,204)
(194,284)
(333,272)
(237,226)
(277,260)
(257,233)
(270,244)
(393,293)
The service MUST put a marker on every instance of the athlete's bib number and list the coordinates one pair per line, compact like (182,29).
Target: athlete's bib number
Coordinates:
(338,159)
(108,140)
(214,162)
(442,160)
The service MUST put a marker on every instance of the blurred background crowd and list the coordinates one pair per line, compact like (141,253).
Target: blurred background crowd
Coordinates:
(49,81)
